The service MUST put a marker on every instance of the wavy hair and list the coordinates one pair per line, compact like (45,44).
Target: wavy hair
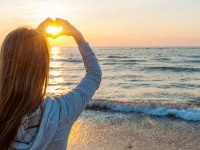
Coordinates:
(24,69)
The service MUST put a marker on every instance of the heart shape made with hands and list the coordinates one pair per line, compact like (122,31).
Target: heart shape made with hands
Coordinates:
(54,30)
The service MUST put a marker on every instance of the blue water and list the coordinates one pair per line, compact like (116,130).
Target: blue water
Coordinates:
(162,81)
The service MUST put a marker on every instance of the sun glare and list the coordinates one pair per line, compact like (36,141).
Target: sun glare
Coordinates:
(55,52)
(53,30)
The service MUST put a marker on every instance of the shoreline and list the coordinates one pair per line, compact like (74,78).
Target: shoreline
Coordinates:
(120,131)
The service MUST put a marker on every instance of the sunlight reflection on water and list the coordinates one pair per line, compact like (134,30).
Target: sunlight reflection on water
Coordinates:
(56,79)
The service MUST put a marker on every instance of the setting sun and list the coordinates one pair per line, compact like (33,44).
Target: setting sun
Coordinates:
(54,30)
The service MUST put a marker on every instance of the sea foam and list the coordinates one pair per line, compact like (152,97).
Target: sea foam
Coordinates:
(168,110)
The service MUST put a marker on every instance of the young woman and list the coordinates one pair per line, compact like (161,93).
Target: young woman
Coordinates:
(28,119)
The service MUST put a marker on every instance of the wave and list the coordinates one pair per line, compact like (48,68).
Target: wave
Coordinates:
(110,63)
(68,59)
(131,60)
(194,56)
(122,61)
(192,61)
(162,59)
(184,112)
(180,85)
(173,69)
(118,56)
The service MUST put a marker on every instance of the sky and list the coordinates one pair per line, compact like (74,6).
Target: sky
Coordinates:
(111,22)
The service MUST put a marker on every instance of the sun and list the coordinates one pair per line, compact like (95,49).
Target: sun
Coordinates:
(54,30)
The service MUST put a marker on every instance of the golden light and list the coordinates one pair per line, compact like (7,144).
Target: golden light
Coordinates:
(54,30)
(55,52)
(55,73)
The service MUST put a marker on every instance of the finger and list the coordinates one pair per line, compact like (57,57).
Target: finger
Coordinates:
(47,34)
(58,22)
(44,24)
(62,22)
(68,27)
(56,36)
(48,21)
(53,36)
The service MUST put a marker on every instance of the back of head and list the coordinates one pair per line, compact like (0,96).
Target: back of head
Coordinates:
(24,66)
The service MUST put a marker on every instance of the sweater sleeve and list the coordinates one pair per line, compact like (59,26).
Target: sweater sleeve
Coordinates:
(73,103)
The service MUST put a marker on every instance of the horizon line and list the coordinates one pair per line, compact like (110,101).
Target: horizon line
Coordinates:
(137,46)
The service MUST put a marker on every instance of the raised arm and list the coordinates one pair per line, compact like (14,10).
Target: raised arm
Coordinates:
(74,102)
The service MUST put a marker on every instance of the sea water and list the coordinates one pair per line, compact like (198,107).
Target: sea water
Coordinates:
(157,81)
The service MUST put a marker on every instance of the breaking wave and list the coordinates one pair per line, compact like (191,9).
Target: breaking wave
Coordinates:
(184,112)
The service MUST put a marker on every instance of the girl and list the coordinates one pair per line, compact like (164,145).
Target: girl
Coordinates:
(28,119)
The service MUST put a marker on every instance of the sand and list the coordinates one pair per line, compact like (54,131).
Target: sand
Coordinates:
(119,131)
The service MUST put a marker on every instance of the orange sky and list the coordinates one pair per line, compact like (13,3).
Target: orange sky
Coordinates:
(113,22)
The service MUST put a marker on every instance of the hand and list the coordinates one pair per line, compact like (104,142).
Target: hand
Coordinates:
(69,30)
(42,27)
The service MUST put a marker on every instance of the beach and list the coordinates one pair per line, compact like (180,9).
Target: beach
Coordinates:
(148,99)
(149,54)
(95,130)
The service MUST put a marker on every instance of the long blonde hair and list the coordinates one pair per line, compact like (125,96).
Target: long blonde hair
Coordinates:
(24,69)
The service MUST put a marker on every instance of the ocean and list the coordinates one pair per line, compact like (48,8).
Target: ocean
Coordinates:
(159,81)
(149,98)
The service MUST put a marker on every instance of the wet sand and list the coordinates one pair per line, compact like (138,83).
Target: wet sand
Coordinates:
(119,131)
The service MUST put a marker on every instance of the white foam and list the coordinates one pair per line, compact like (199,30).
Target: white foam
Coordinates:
(192,114)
